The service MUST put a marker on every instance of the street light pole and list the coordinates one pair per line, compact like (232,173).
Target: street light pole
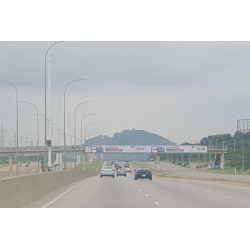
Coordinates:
(243,163)
(86,128)
(85,131)
(71,145)
(75,123)
(81,123)
(16,122)
(92,135)
(93,131)
(64,105)
(47,143)
(59,154)
(37,122)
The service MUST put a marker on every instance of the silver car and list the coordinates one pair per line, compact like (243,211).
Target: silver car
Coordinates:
(107,171)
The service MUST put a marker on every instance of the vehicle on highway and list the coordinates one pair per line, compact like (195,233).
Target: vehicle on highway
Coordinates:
(27,164)
(127,168)
(118,167)
(142,173)
(109,163)
(121,171)
(107,171)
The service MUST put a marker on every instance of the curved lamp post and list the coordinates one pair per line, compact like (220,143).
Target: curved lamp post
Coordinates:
(86,128)
(81,123)
(37,126)
(45,100)
(64,105)
(16,122)
(75,122)
(93,131)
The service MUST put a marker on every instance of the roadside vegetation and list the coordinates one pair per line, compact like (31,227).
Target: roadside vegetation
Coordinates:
(89,167)
(237,157)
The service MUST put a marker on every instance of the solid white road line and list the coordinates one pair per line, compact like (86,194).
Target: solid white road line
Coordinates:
(61,195)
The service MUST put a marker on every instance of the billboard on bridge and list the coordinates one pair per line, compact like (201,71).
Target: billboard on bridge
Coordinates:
(146,149)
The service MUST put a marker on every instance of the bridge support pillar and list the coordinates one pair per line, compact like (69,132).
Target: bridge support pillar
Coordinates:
(222,160)
(158,159)
(10,162)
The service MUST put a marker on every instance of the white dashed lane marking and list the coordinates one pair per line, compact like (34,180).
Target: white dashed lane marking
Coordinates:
(228,197)
(208,191)
(147,195)
(157,203)
(139,189)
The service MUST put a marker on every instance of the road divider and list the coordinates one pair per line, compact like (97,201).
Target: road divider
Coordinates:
(20,190)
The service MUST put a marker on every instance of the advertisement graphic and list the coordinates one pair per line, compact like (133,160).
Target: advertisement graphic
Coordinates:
(146,149)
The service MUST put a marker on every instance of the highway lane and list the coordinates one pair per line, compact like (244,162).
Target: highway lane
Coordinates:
(125,192)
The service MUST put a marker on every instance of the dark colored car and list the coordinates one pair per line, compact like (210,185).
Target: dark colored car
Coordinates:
(121,171)
(143,173)
(118,167)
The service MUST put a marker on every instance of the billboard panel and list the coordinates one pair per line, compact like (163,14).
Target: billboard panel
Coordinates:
(146,149)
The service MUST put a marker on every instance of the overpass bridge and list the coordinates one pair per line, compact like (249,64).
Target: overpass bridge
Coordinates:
(219,158)
(40,150)
(219,154)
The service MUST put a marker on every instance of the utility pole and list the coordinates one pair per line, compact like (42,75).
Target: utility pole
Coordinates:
(242,154)
(234,145)
(21,140)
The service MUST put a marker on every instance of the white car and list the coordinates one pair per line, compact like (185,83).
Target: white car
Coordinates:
(127,168)
(107,171)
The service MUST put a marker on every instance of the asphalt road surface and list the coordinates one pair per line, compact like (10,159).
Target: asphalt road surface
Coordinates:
(161,192)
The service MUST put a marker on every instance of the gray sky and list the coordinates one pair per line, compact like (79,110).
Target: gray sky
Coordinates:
(179,90)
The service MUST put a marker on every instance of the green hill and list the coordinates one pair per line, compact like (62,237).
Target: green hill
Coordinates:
(130,137)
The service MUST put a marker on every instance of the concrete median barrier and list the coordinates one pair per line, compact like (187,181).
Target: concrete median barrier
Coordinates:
(17,191)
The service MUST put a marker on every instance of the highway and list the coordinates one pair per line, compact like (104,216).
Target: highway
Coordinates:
(161,192)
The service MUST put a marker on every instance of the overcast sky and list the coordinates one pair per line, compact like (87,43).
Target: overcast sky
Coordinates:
(179,90)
